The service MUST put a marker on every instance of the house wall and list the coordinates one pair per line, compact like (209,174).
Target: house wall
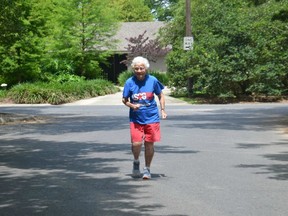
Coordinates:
(159,65)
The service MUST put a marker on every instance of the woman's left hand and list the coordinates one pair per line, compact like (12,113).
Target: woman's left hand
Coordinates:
(163,114)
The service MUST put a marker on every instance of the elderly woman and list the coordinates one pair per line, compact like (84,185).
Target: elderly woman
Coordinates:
(138,95)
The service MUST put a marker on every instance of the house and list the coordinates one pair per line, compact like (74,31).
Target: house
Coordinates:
(128,30)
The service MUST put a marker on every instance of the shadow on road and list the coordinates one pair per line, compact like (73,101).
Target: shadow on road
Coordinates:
(275,171)
(39,177)
(51,178)
(231,119)
(249,119)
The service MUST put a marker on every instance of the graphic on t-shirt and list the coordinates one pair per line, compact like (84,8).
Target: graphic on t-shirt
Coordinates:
(139,96)
(143,96)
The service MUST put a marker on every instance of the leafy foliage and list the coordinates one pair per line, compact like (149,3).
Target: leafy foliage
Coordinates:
(53,36)
(40,37)
(80,29)
(132,10)
(3,94)
(162,9)
(62,77)
(124,76)
(59,93)
(20,41)
(240,48)
(142,46)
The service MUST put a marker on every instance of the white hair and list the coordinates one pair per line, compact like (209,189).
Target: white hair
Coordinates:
(140,60)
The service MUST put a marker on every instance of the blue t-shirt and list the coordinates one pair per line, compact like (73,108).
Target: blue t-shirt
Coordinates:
(142,92)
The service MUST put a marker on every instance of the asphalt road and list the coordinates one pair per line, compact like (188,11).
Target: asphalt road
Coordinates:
(213,160)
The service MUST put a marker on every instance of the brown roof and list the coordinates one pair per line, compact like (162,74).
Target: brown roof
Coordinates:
(134,29)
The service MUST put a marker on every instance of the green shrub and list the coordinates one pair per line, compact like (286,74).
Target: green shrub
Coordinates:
(161,76)
(124,76)
(240,49)
(59,93)
(3,94)
(62,77)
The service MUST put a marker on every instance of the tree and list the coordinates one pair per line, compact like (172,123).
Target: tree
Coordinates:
(240,48)
(162,10)
(55,36)
(143,46)
(21,48)
(81,32)
(133,10)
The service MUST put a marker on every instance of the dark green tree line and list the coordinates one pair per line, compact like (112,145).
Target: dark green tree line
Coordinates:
(21,46)
(162,10)
(240,47)
(40,38)
(80,31)
(132,10)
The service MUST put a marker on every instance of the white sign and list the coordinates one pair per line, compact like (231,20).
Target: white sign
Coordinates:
(188,43)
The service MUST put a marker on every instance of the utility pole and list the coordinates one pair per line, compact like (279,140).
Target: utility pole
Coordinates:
(188,39)
(188,19)
(189,43)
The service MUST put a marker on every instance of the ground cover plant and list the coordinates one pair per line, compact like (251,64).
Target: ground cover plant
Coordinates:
(58,93)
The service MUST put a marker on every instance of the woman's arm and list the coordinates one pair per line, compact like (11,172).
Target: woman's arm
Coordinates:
(162,105)
(129,104)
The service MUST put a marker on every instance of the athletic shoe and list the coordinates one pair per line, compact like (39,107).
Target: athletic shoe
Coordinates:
(136,169)
(146,173)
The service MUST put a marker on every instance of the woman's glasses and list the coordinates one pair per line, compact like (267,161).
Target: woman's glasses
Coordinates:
(139,68)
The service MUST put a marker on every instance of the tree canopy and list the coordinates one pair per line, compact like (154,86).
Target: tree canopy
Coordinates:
(79,30)
(162,10)
(21,46)
(42,37)
(240,47)
(133,10)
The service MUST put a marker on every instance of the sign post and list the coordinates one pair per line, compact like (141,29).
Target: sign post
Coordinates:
(188,43)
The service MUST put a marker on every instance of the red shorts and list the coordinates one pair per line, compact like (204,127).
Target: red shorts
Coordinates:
(148,132)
